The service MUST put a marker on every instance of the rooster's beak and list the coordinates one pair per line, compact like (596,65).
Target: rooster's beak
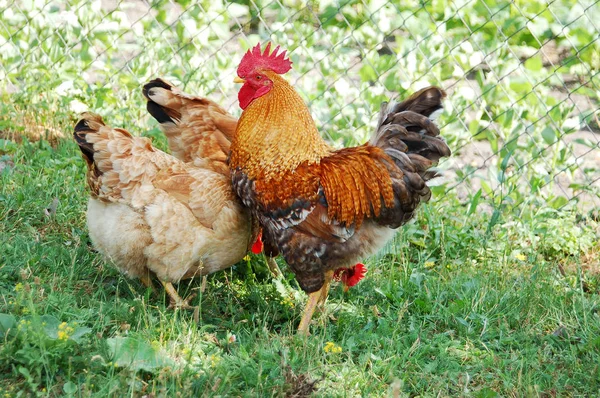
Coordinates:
(238,79)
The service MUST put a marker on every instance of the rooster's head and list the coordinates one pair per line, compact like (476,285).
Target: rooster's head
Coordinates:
(254,70)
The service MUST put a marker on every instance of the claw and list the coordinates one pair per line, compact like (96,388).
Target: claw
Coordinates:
(183,304)
(176,300)
(273,267)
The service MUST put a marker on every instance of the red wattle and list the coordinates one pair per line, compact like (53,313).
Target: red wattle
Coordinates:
(247,94)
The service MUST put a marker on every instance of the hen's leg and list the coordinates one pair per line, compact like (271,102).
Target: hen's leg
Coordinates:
(176,300)
(273,267)
(147,281)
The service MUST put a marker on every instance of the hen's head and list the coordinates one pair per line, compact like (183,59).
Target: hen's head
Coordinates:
(350,276)
(252,70)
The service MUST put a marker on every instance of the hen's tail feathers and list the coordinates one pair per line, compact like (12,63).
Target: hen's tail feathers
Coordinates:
(169,104)
(197,129)
(407,133)
(164,101)
(88,123)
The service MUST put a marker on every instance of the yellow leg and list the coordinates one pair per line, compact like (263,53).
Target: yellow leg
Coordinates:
(147,281)
(273,267)
(176,300)
(325,289)
(313,300)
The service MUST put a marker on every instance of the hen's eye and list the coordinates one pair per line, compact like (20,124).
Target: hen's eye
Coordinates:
(258,77)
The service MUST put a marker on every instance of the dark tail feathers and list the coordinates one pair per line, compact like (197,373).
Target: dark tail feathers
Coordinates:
(407,134)
(153,91)
(88,123)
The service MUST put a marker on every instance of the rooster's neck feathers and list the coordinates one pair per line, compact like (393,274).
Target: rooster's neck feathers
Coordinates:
(276,133)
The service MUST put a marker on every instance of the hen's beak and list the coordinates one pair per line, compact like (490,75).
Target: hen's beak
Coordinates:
(238,79)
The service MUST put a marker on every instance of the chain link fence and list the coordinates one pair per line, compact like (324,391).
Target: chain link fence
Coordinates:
(522,113)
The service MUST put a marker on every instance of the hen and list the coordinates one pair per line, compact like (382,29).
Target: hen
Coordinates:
(323,208)
(151,213)
(199,132)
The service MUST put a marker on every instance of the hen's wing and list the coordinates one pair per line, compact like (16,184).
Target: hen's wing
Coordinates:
(198,130)
(197,223)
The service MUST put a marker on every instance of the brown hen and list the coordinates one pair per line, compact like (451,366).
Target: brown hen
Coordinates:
(151,213)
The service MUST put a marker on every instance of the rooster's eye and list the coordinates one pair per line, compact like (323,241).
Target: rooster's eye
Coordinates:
(258,77)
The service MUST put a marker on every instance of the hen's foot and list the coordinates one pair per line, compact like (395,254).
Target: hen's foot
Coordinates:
(176,300)
(147,281)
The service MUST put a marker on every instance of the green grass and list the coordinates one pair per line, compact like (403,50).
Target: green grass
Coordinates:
(450,309)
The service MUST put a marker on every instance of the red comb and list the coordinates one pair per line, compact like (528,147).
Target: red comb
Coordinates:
(254,59)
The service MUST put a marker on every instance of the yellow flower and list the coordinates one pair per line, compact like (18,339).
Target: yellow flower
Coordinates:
(214,360)
(64,331)
(332,347)
(429,264)
(288,301)
(521,257)
(18,287)
(246,258)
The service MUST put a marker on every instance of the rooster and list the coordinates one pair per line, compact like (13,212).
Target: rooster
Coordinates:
(199,132)
(151,213)
(324,208)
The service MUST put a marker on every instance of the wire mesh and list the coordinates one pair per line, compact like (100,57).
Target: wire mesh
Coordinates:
(521,76)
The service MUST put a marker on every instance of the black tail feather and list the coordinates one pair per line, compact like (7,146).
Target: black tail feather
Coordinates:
(408,135)
(162,114)
(155,83)
(89,123)
(158,112)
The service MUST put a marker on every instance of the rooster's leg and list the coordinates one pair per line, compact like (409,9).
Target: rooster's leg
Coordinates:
(313,300)
(273,267)
(176,300)
(325,289)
